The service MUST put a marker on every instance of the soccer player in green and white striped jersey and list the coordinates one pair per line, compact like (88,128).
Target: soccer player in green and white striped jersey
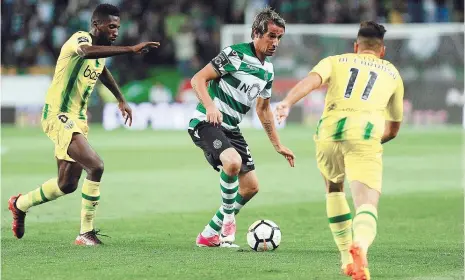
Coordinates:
(239,77)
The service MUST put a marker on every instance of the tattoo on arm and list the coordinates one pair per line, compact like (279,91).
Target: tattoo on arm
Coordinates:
(268,126)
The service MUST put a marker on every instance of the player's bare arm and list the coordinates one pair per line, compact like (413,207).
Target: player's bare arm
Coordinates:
(104,31)
(107,80)
(299,91)
(390,131)
(199,84)
(95,52)
(266,117)
(395,110)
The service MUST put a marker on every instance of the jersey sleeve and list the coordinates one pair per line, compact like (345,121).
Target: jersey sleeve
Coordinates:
(79,39)
(227,61)
(324,69)
(266,92)
(395,107)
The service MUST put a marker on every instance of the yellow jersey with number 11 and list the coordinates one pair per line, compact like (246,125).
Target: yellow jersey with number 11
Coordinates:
(363,92)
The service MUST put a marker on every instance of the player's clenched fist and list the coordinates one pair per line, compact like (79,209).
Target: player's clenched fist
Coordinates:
(214,115)
(144,47)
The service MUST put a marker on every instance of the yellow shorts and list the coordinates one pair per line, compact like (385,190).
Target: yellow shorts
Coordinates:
(360,160)
(60,128)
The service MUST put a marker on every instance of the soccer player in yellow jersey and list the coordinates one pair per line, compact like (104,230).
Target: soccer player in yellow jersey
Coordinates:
(80,64)
(363,109)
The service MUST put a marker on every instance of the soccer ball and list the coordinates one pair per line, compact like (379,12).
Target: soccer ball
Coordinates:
(264,235)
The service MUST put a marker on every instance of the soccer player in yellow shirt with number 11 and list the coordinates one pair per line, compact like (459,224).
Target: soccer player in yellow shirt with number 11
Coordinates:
(363,109)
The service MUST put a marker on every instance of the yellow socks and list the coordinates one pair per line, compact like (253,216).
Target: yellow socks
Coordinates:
(50,191)
(47,192)
(90,201)
(340,223)
(364,225)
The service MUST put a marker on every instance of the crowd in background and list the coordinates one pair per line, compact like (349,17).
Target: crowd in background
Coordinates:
(33,31)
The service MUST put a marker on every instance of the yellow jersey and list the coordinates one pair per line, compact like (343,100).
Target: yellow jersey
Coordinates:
(363,92)
(74,78)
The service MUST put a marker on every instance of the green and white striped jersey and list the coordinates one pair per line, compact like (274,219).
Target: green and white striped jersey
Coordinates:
(242,79)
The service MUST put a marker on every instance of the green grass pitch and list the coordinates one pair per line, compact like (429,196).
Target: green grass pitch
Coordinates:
(158,192)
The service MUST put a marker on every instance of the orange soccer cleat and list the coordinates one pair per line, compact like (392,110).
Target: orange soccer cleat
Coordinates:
(348,269)
(360,265)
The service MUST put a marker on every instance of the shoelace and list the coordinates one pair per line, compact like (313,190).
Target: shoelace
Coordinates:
(97,232)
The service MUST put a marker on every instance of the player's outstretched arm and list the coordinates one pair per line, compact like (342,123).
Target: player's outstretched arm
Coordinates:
(199,84)
(107,80)
(299,91)
(95,52)
(267,119)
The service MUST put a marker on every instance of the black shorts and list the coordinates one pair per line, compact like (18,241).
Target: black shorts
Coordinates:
(214,140)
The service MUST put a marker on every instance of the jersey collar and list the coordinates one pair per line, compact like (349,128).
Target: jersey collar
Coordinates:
(252,47)
(367,54)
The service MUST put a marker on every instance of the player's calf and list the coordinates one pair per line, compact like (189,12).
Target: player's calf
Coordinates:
(80,150)
(248,188)
(365,222)
(20,204)
(229,184)
(340,220)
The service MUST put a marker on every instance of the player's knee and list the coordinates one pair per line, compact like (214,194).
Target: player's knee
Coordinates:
(232,167)
(69,186)
(97,167)
(231,161)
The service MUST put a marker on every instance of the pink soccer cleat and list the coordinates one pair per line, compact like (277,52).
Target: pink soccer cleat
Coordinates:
(213,241)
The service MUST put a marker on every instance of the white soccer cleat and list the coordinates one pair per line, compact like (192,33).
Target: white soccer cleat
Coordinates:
(228,245)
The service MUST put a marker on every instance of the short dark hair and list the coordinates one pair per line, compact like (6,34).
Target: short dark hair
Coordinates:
(371,29)
(371,34)
(104,10)
(260,23)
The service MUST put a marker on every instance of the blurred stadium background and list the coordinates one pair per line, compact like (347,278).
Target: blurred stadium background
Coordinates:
(153,215)
(429,53)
